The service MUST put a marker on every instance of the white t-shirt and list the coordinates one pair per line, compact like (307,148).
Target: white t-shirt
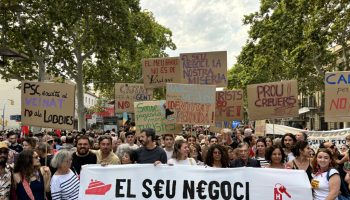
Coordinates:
(169,154)
(290,156)
(65,186)
(187,161)
(320,184)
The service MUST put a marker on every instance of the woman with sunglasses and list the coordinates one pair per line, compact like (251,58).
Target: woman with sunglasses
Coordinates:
(31,180)
(325,179)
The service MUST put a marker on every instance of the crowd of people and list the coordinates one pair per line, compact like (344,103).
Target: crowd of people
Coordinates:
(48,165)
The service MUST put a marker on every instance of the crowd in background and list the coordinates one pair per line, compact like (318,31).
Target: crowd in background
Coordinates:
(47,165)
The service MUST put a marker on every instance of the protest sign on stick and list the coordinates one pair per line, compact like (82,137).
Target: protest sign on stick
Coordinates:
(48,105)
(191,104)
(128,93)
(337,96)
(157,72)
(153,114)
(273,100)
(207,68)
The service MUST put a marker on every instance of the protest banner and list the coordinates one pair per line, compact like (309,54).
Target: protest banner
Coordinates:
(191,182)
(157,72)
(128,93)
(219,125)
(153,114)
(48,105)
(208,68)
(337,97)
(260,127)
(191,104)
(273,100)
(229,105)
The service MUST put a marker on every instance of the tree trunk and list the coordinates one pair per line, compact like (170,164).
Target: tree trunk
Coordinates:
(345,55)
(42,71)
(80,94)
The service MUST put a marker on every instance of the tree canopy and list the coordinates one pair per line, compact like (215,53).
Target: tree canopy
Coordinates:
(292,39)
(100,42)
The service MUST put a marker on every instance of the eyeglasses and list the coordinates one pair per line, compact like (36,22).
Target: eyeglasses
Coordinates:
(217,152)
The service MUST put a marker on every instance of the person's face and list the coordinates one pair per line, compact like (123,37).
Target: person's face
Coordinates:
(243,152)
(184,150)
(67,163)
(288,142)
(299,137)
(217,155)
(105,146)
(143,139)
(330,146)
(130,139)
(4,153)
(126,159)
(268,142)
(231,154)
(36,160)
(343,148)
(347,140)
(168,141)
(191,140)
(323,160)
(276,157)
(213,141)
(26,145)
(254,140)
(306,151)
(13,139)
(260,147)
(83,147)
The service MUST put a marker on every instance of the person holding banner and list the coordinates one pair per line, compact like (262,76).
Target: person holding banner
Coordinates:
(302,161)
(261,152)
(244,159)
(325,179)
(217,157)
(180,154)
(149,152)
(275,156)
(64,183)
(31,180)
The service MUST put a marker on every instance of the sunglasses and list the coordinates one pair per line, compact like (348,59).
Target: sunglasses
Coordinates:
(4,152)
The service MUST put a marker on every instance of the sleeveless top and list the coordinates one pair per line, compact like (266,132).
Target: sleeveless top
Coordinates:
(308,170)
(36,186)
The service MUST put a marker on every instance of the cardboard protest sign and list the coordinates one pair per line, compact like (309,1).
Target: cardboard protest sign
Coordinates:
(153,114)
(191,104)
(337,97)
(229,105)
(48,105)
(127,93)
(157,72)
(206,68)
(273,100)
(260,127)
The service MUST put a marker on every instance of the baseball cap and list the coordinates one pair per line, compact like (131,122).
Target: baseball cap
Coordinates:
(3,145)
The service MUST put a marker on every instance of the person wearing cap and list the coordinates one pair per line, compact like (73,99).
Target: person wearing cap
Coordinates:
(129,144)
(5,172)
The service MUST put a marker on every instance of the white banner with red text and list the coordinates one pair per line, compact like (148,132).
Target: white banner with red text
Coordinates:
(147,181)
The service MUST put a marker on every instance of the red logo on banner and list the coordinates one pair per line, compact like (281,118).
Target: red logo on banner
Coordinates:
(279,190)
(97,188)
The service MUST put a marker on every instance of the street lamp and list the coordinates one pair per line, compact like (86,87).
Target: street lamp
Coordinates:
(3,112)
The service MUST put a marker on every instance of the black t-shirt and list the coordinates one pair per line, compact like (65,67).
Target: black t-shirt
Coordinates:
(17,147)
(144,156)
(78,161)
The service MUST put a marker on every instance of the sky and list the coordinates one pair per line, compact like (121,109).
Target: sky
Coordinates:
(204,25)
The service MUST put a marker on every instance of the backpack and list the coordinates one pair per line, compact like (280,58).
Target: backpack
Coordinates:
(345,194)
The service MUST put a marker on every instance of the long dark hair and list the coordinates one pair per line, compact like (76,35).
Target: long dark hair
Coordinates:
(24,164)
(209,160)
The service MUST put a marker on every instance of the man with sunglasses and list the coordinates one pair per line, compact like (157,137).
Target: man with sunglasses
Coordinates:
(5,172)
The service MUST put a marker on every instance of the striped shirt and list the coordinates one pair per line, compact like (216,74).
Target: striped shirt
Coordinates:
(65,186)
